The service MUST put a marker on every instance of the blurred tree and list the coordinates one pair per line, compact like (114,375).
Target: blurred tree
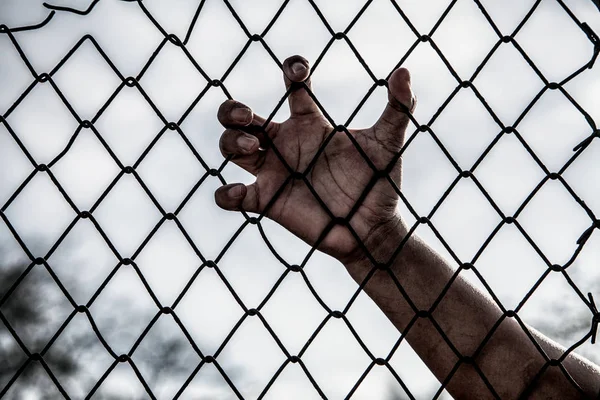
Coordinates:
(164,360)
(25,310)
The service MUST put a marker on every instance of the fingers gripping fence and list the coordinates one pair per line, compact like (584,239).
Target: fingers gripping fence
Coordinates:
(162,310)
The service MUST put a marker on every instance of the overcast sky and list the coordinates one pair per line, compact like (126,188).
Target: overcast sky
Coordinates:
(509,264)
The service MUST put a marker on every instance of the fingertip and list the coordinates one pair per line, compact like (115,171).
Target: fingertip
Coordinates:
(230,197)
(234,113)
(296,68)
(401,74)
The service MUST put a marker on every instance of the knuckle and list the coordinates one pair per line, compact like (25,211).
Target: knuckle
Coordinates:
(219,197)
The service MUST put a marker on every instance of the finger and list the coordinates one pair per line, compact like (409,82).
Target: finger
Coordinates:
(244,148)
(233,114)
(391,126)
(297,69)
(237,196)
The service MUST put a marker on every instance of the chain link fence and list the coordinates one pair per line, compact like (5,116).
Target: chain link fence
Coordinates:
(170,310)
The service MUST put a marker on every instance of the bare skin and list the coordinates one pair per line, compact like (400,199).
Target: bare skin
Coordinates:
(508,361)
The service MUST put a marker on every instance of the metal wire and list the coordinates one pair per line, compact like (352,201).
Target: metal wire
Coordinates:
(163,310)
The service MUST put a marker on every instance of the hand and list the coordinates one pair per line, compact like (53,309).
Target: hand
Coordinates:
(339,176)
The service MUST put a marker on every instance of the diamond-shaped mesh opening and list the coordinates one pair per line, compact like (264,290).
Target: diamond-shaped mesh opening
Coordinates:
(509,165)
(95,169)
(336,351)
(170,157)
(291,35)
(464,50)
(128,125)
(47,135)
(508,79)
(379,44)
(77,358)
(83,84)
(44,308)
(174,95)
(83,249)
(121,327)
(340,97)
(124,205)
(547,214)
(120,278)
(293,312)
(553,128)
(465,128)
(39,220)
(165,358)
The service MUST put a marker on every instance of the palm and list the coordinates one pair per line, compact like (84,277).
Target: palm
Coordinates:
(325,185)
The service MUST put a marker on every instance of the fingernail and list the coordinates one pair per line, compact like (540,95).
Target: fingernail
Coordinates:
(247,142)
(235,192)
(298,68)
(242,115)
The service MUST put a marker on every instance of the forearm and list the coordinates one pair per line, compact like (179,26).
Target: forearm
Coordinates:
(508,360)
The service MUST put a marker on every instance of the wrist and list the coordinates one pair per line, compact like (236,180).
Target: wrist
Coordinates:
(380,246)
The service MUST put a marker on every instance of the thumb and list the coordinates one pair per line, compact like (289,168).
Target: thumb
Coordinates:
(392,124)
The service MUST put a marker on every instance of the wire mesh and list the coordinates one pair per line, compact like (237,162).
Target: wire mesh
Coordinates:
(162,310)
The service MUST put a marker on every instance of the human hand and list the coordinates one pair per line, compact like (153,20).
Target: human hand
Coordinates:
(339,176)
(365,201)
